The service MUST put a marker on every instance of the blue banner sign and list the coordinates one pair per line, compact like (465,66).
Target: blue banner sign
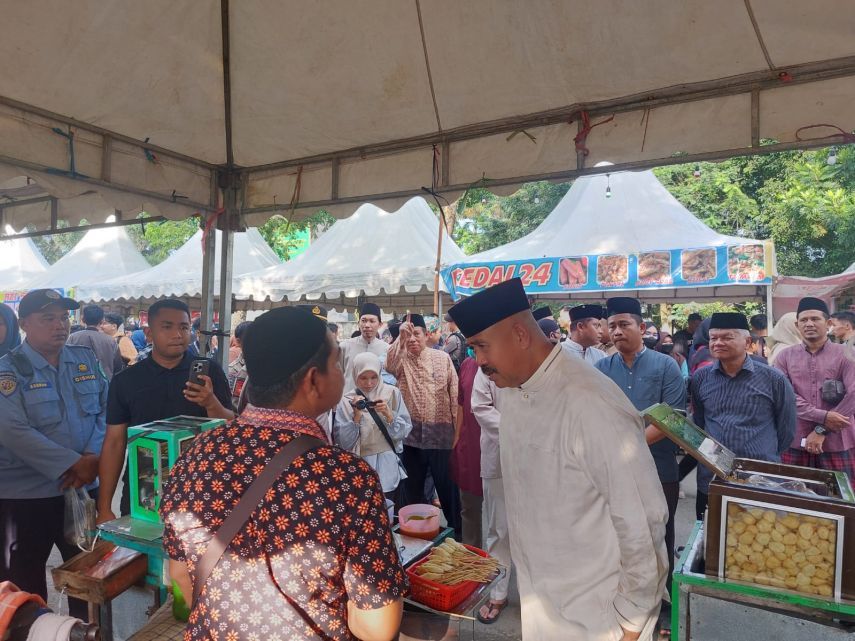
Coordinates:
(666,269)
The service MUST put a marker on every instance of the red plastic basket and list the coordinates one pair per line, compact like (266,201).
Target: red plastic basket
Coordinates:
(436,595)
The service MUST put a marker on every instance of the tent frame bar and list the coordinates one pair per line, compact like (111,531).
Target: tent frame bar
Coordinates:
(555,176)
(67,230)
(677,94)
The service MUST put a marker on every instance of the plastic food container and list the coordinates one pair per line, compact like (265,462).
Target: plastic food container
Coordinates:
(438,595)
(419,520)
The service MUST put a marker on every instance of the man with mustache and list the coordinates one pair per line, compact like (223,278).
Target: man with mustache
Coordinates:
(428,383)
(52,406)
(585,509)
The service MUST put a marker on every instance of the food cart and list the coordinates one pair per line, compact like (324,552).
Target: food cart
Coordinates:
(775,555)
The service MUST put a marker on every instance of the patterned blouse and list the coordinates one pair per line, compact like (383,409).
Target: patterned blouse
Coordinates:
(321,537)
(428,383)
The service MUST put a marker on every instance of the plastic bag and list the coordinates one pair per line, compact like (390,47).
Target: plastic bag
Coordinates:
(80,519)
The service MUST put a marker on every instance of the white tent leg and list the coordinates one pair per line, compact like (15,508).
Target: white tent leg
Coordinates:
(769,315)
(209,258)
(226,269)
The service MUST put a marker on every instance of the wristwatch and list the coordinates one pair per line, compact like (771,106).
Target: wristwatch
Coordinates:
(819,429)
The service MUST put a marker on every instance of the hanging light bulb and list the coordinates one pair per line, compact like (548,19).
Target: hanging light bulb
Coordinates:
(697,172)
(608,185)
(832,156)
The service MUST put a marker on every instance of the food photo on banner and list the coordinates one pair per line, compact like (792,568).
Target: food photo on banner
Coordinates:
(751,263)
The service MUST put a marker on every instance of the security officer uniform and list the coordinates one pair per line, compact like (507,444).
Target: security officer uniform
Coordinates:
(49,417)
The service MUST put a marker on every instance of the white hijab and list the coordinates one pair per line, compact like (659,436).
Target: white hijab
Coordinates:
(368,362)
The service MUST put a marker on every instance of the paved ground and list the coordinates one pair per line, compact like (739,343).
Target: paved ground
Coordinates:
(129,610)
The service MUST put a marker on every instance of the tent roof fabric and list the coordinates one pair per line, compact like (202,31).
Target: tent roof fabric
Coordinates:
(788,290)
(101,253)
(479,88)
(20,261)
(639,215)
(372,253)
(180,275)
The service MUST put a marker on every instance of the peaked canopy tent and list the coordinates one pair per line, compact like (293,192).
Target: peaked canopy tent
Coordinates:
(788,290)
(622,233)
(374,255)
(20,261)
(441,94)
(101,253)
(180,275)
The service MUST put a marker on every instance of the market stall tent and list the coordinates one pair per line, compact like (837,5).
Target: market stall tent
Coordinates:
(386,257)
(180,275)
(622,232)
(20,261)
(788,290)
(101,254)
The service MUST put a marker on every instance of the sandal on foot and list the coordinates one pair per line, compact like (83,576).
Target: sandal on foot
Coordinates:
(493,612)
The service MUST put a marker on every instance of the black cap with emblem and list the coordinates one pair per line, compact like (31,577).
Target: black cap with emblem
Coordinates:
(38,299)
(315,310)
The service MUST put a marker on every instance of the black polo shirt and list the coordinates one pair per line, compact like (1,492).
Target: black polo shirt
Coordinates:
(148,392)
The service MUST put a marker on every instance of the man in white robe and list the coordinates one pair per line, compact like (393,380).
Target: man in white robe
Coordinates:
(367,341)
(585,507)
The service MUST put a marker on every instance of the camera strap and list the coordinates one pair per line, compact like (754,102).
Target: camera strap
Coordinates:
(380,424)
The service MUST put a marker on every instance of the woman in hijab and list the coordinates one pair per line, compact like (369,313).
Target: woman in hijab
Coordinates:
(357,431)
(784,334)
(10,335)
(701,355)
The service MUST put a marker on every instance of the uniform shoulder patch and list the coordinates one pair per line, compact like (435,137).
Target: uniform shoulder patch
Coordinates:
(8,383)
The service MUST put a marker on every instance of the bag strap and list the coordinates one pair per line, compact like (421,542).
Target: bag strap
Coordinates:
(380,424)
(247,504)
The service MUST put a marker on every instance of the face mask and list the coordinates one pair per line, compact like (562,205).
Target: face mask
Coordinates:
(650,341)
(666,349)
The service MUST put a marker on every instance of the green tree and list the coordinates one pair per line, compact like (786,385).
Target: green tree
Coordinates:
(284,238)
(485,221)
(156,241)
(56,246)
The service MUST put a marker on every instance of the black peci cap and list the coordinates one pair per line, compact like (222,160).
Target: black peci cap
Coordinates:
(623,305)
(540,313)
(809,302)
(728,320)
(369,308)
(280,342)
(483,310)
(581,312)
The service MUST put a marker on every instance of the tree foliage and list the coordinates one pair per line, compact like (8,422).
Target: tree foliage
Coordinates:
(285,238)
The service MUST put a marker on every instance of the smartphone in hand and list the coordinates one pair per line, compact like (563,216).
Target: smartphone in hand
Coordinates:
(199,367)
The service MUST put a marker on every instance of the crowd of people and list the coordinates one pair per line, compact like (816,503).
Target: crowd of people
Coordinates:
(526,433)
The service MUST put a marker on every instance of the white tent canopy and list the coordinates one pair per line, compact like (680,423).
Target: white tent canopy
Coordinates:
(181,273)
(411,94)
(20,261)
(623,213)
(100,254)
(373,253)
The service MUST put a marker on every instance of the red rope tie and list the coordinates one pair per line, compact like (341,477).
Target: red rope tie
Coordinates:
(209,224)
(844,136)
(581,138)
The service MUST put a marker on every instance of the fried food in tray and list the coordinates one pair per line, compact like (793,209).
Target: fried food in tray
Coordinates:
(573,272)
(612,270)
(654,267)
(781,548)
(450,563)
(699,264)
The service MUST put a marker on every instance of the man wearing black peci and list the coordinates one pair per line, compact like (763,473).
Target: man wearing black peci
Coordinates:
(157,388)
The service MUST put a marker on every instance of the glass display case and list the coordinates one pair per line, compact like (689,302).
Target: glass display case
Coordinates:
(153,449)
(782,526)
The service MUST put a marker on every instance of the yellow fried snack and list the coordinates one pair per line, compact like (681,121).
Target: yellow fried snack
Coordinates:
(780,549)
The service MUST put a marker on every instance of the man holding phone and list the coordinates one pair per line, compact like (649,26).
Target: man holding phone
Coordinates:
(170,382)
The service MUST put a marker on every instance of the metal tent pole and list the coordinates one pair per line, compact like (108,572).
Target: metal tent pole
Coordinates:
(209,262)
(226,268)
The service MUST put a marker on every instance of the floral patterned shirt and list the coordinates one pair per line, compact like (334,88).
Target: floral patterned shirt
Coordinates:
(320,538)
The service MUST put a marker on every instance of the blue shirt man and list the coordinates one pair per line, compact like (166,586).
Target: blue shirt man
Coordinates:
(647,377)
(747,406)
(52,422)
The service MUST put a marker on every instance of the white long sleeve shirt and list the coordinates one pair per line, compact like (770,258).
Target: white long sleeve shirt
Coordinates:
(585,507)
(484,397)
(589,354)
